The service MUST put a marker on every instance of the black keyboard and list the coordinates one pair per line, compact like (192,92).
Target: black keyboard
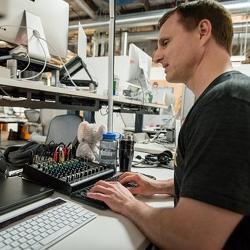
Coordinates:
(81,194)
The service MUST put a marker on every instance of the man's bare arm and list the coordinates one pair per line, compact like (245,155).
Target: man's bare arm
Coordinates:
(191,225)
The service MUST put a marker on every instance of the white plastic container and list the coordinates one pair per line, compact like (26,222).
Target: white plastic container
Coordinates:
(108,149)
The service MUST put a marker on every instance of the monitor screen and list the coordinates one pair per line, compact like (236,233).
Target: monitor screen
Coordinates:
(81,43)
(54,16)
(139,67)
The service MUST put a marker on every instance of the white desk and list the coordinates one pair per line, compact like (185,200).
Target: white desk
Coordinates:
(154,148)
(111,230)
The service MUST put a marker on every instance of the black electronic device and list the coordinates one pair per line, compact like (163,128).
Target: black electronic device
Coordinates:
(68,176)
(74,66)
(16,192)
(74,177)
(81,194)
(162,160)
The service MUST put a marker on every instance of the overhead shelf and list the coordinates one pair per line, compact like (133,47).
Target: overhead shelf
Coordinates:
(32,94)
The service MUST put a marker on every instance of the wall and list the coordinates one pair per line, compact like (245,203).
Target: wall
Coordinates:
(98,68)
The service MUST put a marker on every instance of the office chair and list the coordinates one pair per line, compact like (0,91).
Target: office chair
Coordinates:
(39,121)
(33,124)
(63,128)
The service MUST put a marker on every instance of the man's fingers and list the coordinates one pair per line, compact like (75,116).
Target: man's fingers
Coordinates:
(125,175)
(103,183)
(134,190)
(100,189)
(98,196)
(130,178)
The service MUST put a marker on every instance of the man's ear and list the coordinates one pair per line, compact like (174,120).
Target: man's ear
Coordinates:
(205,30)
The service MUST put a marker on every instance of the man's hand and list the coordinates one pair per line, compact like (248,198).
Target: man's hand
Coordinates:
(116,196)
(146,186)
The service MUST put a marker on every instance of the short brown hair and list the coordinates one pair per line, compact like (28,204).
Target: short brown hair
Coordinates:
(192,13)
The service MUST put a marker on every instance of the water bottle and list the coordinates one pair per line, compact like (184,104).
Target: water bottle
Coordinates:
(108,149)
(126,153)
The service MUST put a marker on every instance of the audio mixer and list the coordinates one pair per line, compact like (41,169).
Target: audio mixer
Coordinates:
(68,176)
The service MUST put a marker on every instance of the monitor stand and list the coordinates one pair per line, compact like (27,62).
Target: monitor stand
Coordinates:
(37,48)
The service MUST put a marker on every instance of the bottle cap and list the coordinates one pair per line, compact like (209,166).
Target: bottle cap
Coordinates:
(110,136)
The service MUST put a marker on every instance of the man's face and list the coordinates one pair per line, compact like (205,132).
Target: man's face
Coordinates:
(179,51)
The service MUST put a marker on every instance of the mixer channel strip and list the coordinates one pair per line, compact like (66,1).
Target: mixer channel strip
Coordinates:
(68,176)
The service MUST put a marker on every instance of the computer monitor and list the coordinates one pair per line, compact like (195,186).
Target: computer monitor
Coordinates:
(139,67)
(81,42)
(54,15)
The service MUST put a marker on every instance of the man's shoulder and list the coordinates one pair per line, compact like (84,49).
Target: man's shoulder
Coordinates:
(231,85)
(235,85)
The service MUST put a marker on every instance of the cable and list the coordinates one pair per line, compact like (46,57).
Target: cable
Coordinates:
(37,35)
(8,97)
(78,16)
(71,80)
(27,55)
(29,61)
(123,121)
(4,91)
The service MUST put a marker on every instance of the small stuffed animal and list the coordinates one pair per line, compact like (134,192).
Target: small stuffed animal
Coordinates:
(88,135)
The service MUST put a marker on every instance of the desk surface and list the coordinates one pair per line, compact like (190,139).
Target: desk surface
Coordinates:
(12,120)
(111,230)
(154,148)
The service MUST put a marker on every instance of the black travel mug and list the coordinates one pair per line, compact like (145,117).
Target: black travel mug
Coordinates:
(126,154)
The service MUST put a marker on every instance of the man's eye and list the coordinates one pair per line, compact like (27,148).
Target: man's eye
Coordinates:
(165,43)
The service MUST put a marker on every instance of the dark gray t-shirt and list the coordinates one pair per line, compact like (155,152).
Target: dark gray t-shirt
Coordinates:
(213,155)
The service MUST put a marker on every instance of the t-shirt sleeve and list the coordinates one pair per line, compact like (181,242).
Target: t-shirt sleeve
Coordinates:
(217,156)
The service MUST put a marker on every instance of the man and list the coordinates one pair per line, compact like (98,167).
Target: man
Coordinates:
(212,175)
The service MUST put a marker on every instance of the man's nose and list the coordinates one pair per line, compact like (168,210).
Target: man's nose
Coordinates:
(157,56)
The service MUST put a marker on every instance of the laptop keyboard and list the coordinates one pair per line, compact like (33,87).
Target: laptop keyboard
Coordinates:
(44,226)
